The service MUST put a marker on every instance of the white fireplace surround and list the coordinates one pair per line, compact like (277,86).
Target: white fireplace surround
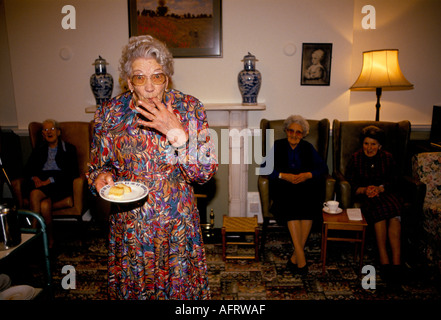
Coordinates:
(234,116)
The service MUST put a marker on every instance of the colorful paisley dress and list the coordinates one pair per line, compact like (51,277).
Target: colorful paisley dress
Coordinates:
(155,245)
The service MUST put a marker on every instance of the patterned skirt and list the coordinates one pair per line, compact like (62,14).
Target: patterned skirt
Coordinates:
(383,207)
(156,257)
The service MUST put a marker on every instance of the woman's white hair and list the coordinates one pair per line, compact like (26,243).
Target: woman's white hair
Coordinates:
(55,123)
(145,47)
(299,120)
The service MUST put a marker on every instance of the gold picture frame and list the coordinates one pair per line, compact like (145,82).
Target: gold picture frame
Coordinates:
(189,31)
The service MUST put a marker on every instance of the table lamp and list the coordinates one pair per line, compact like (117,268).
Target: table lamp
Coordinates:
(381,70)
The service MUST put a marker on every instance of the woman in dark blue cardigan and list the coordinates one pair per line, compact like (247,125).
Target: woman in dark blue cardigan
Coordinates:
(296,186)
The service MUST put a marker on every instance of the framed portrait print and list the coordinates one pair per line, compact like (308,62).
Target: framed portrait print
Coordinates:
(190,28)
(316,64)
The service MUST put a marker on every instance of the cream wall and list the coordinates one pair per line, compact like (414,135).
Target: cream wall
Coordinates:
(264,28)
(53,87)
(8,115)
(44,85)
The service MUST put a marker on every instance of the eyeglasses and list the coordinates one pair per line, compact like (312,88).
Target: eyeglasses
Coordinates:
(49,129)
(156,79)
(296,132)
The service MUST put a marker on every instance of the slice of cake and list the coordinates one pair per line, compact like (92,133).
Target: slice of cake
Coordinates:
(119,190)
(127,189)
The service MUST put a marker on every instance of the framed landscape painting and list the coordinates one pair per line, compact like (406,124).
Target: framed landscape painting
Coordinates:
(190,28)
(316,64)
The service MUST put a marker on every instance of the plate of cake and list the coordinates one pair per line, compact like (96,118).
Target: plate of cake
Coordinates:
(124,191)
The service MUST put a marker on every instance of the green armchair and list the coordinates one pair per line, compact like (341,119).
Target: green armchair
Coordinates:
(318,136)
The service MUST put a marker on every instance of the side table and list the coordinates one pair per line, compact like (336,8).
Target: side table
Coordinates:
(341,222)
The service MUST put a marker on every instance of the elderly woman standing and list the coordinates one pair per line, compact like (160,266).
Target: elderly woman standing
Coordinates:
(159,137)
(373,178)
(295,186)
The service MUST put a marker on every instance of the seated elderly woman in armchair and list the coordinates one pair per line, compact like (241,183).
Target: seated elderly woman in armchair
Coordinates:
(49,173)
(372,175)
(298,174)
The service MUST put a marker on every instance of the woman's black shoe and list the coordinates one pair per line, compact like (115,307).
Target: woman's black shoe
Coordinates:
(385,272)
(292,267)
(303,271)
(396,275)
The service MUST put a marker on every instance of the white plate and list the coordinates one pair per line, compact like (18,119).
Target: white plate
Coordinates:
(326,209)
(23,292)
(139,191)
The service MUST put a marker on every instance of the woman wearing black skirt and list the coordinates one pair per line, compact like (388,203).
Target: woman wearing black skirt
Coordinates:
(296,186)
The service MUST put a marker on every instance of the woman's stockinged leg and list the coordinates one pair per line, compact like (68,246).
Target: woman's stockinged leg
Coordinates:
(35,198)
(381,236)
(46,212)
(394,233)
(306,229)
(299,230)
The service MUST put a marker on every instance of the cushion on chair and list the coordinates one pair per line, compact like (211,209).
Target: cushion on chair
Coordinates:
(63,203)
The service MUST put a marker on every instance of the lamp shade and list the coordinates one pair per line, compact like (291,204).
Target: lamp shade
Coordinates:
(381,70)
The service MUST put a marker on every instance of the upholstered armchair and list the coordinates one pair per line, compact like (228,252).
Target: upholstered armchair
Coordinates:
(318,136)
(426,167)
(346,140)
(80,135)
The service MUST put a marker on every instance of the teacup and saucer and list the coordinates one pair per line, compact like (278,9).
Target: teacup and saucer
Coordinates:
(331,207)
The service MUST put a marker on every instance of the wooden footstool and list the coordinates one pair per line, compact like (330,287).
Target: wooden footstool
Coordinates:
(241,226)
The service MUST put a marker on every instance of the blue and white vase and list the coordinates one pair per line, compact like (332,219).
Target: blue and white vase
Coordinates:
(249,80)
(101,82)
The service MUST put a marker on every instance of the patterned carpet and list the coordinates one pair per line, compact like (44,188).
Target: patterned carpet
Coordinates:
(84,247)
(269,279)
